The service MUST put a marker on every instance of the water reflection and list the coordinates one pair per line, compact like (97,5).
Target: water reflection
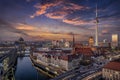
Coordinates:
(26,71)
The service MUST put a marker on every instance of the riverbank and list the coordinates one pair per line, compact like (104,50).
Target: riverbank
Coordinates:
(42,68)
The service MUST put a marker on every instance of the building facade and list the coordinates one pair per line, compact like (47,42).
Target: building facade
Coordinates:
(115,40)
(91,41)
(111,71)
(58,59)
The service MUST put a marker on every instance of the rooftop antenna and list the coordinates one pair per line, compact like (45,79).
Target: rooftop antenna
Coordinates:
(73,44)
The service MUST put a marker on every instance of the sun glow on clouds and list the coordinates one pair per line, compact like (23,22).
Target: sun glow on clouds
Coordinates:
(42,9)
(55,19)
(41,32)
(56,15)
(25,27)
(62,11)
(77,21)
(49,35)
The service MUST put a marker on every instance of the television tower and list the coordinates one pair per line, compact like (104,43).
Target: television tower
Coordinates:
(96,31)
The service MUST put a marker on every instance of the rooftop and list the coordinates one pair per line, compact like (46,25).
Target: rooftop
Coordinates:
(113,66)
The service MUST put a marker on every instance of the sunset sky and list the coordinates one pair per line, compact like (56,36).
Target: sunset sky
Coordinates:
(57,19)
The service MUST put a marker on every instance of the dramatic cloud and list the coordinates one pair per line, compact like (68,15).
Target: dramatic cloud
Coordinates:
(56,15)
(77,21)
(42,9)
(61,9)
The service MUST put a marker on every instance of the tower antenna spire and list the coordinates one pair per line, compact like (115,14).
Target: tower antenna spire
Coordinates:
(96,10)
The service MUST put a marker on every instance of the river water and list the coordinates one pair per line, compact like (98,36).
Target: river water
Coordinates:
(26,71)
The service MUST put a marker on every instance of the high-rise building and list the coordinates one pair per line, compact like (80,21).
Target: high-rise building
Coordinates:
(91,41)
(114,40)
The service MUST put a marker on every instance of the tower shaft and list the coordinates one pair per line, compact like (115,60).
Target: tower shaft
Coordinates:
(96,30)
(96,34)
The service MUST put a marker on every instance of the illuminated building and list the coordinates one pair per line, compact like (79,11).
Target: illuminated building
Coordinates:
(67,44)
(114,40)
(91,41)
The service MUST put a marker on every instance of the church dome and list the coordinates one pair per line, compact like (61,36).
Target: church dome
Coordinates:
(21,39)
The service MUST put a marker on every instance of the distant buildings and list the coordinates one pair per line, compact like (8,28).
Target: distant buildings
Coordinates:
(61,43)
(63,58)
(63,55)
(55,43)
(111,71)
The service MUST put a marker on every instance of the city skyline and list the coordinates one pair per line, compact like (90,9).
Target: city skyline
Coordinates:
(57,19)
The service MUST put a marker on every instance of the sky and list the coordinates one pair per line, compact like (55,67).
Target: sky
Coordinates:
(58,19)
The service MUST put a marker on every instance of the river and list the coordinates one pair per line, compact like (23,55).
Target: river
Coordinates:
(26,71)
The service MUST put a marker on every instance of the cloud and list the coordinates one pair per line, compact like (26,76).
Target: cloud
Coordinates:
(57,15)
(42,9)
(73,7)
(37,33)
(21,26)
(60,10)
(104,31)
(9,31)
(77,21)
(5,25)
(55,9)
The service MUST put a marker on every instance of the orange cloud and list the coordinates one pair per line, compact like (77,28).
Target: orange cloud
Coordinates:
(76,21)
(49,35)
(21,26)
(42,33)
(56,15)
(55,35)
(41,9)
(64,8)
(74,7)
